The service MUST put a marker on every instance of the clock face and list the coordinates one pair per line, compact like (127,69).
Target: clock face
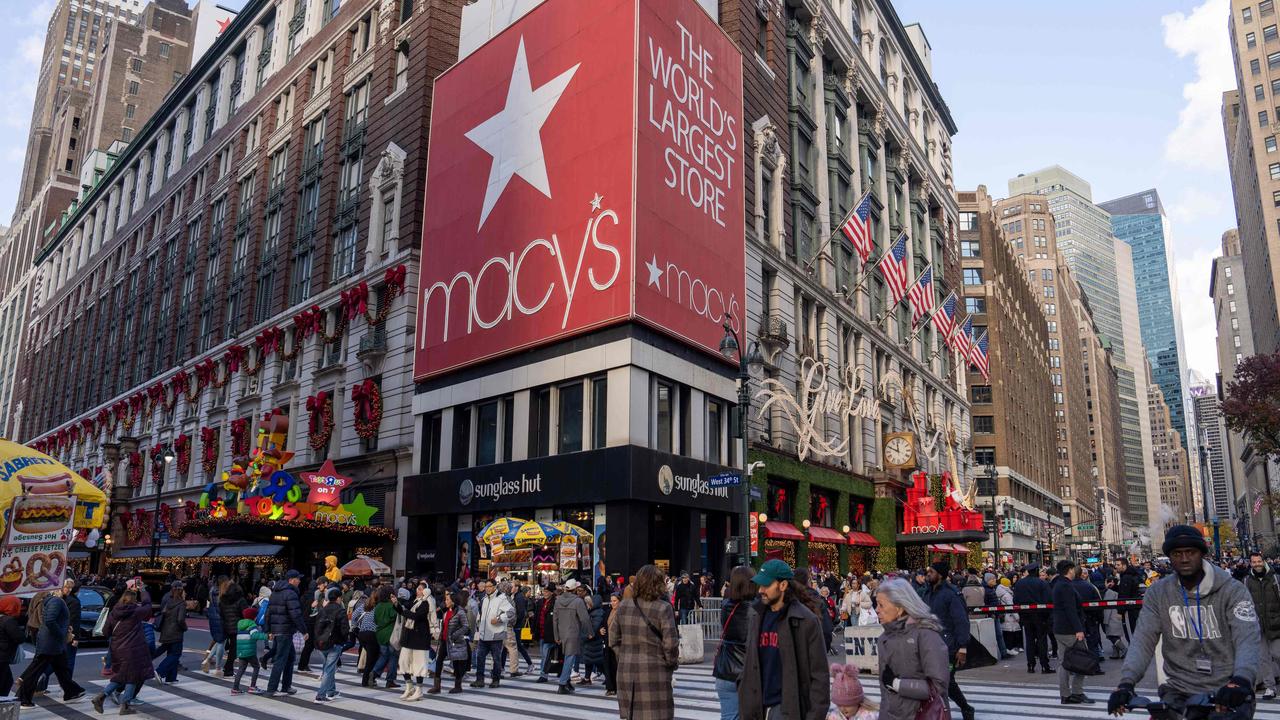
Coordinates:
(898,450)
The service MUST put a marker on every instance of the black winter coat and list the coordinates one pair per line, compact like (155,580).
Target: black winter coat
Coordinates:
(417,637)
(1265,592)
(284,611)
(542,623)
(687,596)
(330,626)
(1030,590)
(231,603)
(1067,617)
(593,645)
(11,636)
(734,618)
(1130,587)
(173,621)
(945,603)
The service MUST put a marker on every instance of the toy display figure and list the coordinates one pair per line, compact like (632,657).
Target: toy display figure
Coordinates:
(331,570)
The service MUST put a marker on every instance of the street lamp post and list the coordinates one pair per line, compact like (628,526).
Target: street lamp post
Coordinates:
(751,361)
(995,513)
(163,460)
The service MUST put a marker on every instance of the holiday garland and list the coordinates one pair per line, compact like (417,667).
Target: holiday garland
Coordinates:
(209,449)
(367,397)
(320,425)
(182,448)
(157,463)
(240,438)
(135,470)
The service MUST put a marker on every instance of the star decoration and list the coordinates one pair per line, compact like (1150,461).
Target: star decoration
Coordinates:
(655,272)
(595,202)
(326,485)
(223,24)
(362,511)
(513,137)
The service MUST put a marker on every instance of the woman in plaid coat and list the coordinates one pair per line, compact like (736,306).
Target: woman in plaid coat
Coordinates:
(643,634)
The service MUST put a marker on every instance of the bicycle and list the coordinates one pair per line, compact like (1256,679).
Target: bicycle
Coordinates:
(1198,707)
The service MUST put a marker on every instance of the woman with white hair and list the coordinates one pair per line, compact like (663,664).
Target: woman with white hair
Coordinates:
(913,655)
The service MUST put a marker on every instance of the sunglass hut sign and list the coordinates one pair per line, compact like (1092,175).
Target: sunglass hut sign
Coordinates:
(572,186)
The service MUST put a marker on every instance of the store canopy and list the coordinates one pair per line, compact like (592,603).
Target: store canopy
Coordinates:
(949,548)
(782,531)
(825,534)
(862,539)
(960,549)
(19,462)
(251,550)
(183,551)
(501,527)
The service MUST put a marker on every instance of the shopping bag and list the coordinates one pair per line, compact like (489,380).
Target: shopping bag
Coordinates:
(298,642)
(555,660)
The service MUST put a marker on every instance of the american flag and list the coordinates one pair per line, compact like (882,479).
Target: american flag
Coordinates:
(894,268)
(858,228)
(962,337)
(944,320)
(921,296)
(978,356)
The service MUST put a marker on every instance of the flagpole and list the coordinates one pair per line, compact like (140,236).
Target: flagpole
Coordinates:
(928,319)
(809,263)
(866,274)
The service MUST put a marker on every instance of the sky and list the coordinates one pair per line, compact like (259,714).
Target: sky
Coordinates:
(1127,95)
(1124,94)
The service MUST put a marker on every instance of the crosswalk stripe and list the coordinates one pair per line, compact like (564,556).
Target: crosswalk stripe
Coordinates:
(199,695)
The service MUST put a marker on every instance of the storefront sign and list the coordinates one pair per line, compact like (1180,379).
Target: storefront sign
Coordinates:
(36,542)
(582,179)
(817,398)
(754,522)
(588,477)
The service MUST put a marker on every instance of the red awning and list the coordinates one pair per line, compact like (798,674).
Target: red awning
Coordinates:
(863,539)
(960,549)
(825,534)
(949,548)
(782,530)
(940,548)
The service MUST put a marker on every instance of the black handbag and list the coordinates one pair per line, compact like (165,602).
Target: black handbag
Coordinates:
(729,656)
(1080,660)
(555,660)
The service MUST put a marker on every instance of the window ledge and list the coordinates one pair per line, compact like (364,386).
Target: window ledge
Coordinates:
(395,95)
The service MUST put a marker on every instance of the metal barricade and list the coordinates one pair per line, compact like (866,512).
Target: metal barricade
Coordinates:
(708,619)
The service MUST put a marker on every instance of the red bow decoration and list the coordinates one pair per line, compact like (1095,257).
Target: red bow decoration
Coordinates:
(857,515)
(208,449)
(62,438)
(368,401)
(182,448)
(270,340)
(362,395)
(104,415)
(180,382)
(320,424)
(240,437)
(89,426)
(137,401)
(307,322)
(73,434)
(135,469)
(121,409)
(355,302)
(820,508)
(235,355)
(779,500)
(156,392)
(395,279)
(205,372)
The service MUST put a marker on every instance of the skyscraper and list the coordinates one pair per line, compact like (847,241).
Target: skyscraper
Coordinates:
(1085,238)
(1212,456)
(1249,119)
(1139,220)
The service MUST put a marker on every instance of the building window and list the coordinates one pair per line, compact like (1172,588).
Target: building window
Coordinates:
(1233,306)
(570,416)
(1235,340)
(980,393)
(487,433)
(975,305)
(1274,170)
(126,134)
(431,443)
(360,38)
(984,424)
(1269,33)
(968,221)
(1270,142)
(461,438)
(133,87)
(1053,326)
(406,10)
(1231,289)
(402,67)
(714,432)
(973,276)
(599,412)
(1265,8)
(1258,92)
(540,422)
(664,400)
(1255,67)
(165,50)
(1262,118)
(1235,323)
(984,456)
(970,249)
(1247,15)
(1273,60)
(1250,40)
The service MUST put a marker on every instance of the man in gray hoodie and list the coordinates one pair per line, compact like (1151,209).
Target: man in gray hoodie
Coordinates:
(1209,626)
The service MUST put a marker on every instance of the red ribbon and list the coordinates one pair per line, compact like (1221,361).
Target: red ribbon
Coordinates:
(395,279)
(355,302)
(74,434)
(137,401)
(240,437)
(235,355)
(104,415)
(362,394)
(180,382)
(270,340)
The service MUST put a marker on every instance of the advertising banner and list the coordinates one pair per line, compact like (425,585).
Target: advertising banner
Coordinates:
(581,179)
(34,554)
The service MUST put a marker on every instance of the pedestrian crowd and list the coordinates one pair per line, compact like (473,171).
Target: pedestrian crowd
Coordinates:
(1220,628)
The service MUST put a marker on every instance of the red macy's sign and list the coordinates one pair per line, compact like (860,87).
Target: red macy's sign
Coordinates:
(585,169)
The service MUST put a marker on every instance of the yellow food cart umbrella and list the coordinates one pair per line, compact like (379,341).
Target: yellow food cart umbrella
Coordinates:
(500,527)
(19,463)
(568,528)
(535,533)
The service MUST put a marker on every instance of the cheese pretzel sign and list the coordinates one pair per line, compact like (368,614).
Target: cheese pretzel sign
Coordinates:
(41,570)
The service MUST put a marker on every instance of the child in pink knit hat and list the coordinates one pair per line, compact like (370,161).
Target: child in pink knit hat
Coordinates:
(847,699)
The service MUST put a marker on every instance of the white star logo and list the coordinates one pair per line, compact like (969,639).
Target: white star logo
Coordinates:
(513,136)
(655,272)
(595,202)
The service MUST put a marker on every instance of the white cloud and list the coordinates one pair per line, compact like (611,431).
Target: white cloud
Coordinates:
(1196,142)
(1198,326)
(1193,204)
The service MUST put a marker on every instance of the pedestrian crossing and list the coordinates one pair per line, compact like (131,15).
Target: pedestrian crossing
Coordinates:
(198,695)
